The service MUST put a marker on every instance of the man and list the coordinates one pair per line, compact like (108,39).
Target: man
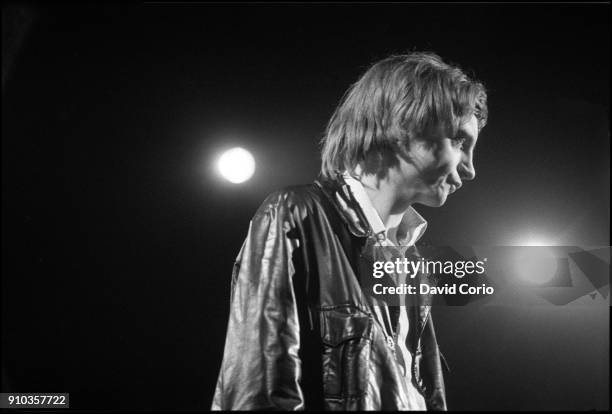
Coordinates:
(303,333)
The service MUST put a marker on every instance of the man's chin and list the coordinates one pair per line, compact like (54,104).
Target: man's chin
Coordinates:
(436,200)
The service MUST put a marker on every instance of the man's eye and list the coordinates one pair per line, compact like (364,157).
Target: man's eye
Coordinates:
(458,141)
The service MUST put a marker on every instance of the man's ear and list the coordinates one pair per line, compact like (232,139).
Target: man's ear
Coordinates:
(378,161)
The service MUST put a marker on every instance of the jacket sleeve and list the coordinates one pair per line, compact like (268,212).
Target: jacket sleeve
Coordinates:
(261,368)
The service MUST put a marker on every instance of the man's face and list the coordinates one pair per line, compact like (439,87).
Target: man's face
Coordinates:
(439,166)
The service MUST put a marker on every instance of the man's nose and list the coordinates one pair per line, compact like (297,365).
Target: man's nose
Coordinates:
(467,170)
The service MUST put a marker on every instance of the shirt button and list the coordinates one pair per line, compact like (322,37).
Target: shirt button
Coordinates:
(391,343)
(381,236)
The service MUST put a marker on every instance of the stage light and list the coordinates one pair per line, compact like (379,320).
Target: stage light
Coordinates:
(536,265)
(236,165)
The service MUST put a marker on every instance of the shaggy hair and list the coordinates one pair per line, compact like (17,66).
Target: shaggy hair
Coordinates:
(397,100)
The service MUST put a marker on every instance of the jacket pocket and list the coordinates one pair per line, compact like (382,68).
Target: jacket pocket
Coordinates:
(347,335)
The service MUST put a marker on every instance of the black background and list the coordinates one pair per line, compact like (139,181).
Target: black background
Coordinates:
(119,239)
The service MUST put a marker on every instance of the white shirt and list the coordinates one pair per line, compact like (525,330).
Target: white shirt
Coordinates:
(404,230)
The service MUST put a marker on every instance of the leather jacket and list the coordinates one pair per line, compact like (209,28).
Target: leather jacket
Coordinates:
(301,332)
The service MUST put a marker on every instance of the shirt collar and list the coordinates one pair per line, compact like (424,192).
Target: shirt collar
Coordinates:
(410,225)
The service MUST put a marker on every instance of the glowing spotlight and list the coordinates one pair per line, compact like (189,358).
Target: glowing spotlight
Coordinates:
(236,165)
(536,265)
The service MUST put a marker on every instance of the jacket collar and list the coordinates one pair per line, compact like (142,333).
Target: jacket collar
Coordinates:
(341,197)
(339,192)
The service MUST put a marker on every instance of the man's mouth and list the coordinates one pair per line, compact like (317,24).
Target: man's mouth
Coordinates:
(454,186)
(448,186)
